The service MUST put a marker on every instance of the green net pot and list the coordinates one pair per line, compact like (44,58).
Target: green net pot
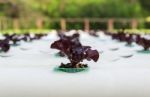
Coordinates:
(72,70)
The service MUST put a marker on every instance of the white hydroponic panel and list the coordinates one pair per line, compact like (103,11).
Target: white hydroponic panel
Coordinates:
(28,71)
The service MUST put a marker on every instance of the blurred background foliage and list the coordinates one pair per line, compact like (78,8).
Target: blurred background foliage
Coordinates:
(75,9)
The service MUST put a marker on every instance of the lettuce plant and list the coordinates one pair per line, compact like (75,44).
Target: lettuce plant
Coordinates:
(75,51)
(4,45)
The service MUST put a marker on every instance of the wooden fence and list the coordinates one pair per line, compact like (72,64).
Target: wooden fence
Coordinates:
(5,23)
